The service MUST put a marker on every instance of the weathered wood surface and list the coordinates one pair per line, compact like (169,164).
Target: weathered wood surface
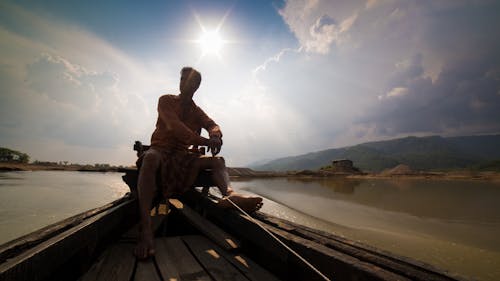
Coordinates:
(332,263)
(46,258)
(116,263)
(404,266)
(219,236)
(245,265)
(187,258)
(15,247)
(146,271)
(215,264)
(133,232)
(337,258)
(176,262)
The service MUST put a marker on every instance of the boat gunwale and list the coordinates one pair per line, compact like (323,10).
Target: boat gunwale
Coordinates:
(18,245)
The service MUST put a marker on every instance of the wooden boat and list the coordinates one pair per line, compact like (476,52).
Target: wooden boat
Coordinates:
(195,240)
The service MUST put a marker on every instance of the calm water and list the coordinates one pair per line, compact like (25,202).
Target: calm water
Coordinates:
(31,200)
(454,225)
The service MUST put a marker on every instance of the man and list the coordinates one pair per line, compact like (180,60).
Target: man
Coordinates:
(178,127)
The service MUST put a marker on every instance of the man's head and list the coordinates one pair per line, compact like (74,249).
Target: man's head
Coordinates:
(190,81)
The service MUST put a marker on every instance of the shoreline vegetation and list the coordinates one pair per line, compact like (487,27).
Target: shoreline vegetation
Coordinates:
(12,160)
(53,166)
(401,171)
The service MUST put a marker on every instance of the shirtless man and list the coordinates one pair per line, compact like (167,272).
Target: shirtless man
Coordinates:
(178,127)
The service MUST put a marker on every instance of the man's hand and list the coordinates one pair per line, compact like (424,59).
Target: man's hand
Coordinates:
(214,145)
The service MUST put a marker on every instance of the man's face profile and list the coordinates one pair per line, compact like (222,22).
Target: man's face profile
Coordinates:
(187,84)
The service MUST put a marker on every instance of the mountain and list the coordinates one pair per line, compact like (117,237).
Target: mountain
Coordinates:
(420,153)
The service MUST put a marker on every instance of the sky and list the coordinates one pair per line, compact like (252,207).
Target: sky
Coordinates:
(80,80)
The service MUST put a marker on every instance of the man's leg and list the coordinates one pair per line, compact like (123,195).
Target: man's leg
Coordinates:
(220,177)
(146,186)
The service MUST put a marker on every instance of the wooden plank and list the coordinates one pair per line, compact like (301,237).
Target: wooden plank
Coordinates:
(401,265)
(219,236)
(249,268)
(146,271)
(42,260)
(176,262)
(116,263)
(334,264)
(212,260)
(261,246)
(133,232)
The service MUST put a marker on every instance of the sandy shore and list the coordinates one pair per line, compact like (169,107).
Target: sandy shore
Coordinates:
(452,175)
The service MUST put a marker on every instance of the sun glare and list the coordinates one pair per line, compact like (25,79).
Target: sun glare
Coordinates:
(211,43)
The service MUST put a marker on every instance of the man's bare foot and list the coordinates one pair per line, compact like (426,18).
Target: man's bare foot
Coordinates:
(145,245)
(247,203)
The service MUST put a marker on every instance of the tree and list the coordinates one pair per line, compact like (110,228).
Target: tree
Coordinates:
(24,158)
(9,155)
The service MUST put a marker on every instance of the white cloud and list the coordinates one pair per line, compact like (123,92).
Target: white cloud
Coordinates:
(317,28)
(61,84)
(370,68)
(397,92)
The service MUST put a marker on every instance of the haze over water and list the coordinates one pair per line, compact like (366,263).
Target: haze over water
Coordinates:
(454,225)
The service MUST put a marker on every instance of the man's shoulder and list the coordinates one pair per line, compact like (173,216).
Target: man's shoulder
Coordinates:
(168,98)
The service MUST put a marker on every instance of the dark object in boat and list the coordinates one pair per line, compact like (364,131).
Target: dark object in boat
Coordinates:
(195,241)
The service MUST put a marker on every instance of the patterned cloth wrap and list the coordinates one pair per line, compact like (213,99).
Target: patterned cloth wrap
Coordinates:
(173,170)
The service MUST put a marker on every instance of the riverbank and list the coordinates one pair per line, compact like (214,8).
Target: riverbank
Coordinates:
(70,167)
(444,175)
(249,173)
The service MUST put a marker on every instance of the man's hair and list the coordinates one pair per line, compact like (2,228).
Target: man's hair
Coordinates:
(192,74)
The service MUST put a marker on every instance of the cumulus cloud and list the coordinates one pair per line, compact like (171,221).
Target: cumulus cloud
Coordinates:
(396,92)
(380,69)
(315,28)
(64,82)
(79,95)
(358,71)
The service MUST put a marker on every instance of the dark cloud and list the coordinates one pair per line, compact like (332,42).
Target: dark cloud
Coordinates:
(464,99)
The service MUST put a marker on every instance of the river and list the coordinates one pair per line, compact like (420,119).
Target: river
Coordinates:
(452,224)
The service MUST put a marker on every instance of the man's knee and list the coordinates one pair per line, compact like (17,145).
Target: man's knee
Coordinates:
(219,162)
(210,163)
(151,158)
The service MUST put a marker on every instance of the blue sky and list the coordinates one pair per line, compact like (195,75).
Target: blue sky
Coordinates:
(79,81)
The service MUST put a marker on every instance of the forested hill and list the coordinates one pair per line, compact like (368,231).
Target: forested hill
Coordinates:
(420,153)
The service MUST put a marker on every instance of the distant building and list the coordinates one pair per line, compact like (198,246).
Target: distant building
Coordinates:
(344,166)
(344,163)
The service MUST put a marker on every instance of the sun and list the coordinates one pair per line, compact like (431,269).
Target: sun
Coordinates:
(211,43)
(211,40)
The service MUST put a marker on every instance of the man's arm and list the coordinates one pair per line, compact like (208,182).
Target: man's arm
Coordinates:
(208,124)
(173,123)
(214,132)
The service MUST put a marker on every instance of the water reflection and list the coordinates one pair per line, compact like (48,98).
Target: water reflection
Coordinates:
(340,185)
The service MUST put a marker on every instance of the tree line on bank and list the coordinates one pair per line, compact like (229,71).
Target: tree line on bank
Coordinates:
(9,155)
